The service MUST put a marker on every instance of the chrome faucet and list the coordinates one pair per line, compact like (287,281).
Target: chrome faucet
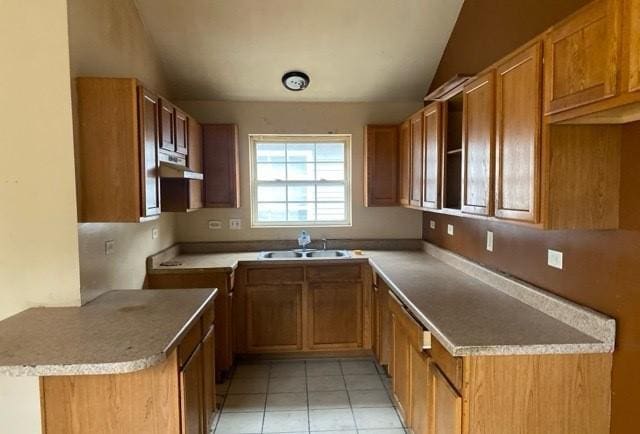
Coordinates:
(324,244)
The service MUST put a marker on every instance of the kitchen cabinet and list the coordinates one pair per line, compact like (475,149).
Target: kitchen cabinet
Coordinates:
(518,136)
(478,145)
(432,125)
(581,57)
(631,46)
(401,368)
(415,198)
(221,166)
(420,392)
(167,126)
(381,165)
(209,377)
(404,163)
(191,394)
(182,132)
(335,314)
(117,148)
(446,405)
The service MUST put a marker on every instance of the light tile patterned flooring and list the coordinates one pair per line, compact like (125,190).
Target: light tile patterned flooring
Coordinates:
(325,396)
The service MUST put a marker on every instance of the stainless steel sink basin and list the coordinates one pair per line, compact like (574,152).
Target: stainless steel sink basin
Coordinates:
(308,254)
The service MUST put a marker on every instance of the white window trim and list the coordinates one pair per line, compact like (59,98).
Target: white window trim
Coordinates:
(310,138)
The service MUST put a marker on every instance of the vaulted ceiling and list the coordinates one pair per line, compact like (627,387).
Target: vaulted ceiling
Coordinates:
(353,50)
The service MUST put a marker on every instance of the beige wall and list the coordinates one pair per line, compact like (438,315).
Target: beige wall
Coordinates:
(38,237)
(303,118)
(107,38)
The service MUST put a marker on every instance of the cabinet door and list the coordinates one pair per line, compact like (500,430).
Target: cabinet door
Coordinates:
(209,378)
(404,163)
(381,165)
(478,144)
(335,315)
(191,382)
(182,133)
(420,392)
(416,160)
(581,57)
(274,318)
(376,329)
(221,172)
(167,126)
(519,87)
(432,125)
(149,176)
(401,367)
(631,46)
(446,404)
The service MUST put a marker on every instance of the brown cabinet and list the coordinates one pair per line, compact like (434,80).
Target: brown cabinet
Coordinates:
(404,163)
(191,394)
(415,198)
(446,404)
(478,145)
(518,136)
(631,46)
(581,56)
(209,377)
(401,367)
(221,172)
(118,133)
(381,165)
(182,132)
(167,126)
(420,392)
(432,125)
(335,314)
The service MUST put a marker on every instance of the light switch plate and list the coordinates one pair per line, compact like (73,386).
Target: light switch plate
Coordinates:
(432,224)
(235,224)
(450,230)
(215,224)
(109,247)
(154,233)
(490,241)
(554,259)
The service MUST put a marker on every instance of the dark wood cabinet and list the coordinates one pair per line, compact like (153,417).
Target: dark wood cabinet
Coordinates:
(191,394)
(415,198)
(381,165)
(182,132)
(150,180)
(221,172)
(404,163)
(209,378)
(167,126)
(432,125)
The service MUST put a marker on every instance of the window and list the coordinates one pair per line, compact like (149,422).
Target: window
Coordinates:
(300,180)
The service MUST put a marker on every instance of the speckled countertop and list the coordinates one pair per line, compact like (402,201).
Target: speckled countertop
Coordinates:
(118,332)
(469,309)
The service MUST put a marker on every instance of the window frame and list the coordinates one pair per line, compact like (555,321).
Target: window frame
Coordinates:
(254,139)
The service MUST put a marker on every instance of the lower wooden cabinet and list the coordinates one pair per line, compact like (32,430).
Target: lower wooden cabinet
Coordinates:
(401,368)
(335,314)
(421,398)
(209,376)
(191,394)
(446,404)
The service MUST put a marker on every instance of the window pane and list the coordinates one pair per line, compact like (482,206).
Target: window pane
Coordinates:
(330,211)
(271,171)
(270,152)
(302,193)
(332,152)
(272,212)
(301,152)
(302,212)
(269,193)
(330,171)
(331,193)
(300,171)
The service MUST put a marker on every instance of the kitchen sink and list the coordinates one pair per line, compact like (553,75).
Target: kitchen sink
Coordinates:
(304,254)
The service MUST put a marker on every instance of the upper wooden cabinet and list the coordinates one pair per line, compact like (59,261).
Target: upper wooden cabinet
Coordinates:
(381,165)
(221,171)
(182,133)
(118,134)
(167,126)
(582,57)
(631,46)
(478,145)
(404,163)
(415,197)
(432,125)
(518,136)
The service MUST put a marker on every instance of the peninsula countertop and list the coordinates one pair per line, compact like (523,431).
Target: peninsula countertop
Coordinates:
(118,332)
(469,309)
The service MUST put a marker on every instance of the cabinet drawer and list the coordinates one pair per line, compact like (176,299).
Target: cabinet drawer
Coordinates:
(262,276)
(450,366)
(190,342)
(419,338)
(334,273)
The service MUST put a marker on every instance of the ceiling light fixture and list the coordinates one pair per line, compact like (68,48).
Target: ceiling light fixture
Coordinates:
(295,80)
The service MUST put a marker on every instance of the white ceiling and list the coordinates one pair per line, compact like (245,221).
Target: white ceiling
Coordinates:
(353,50)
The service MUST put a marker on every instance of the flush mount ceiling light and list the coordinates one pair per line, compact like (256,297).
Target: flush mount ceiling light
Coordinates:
(295,80)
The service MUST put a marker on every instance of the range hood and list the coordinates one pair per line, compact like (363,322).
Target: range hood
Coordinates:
(177,171)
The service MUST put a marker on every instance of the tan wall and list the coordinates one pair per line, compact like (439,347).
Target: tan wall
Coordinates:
(38,237)
(107,38)
(303,118)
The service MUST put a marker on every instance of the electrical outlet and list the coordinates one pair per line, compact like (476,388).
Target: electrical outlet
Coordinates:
(109,247)
(432,224)
(490,241)
(215,224)
(554,259)
(155,232)
(450,230)
(235,224)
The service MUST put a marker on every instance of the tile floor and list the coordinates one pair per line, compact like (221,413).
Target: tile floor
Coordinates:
(326,396)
